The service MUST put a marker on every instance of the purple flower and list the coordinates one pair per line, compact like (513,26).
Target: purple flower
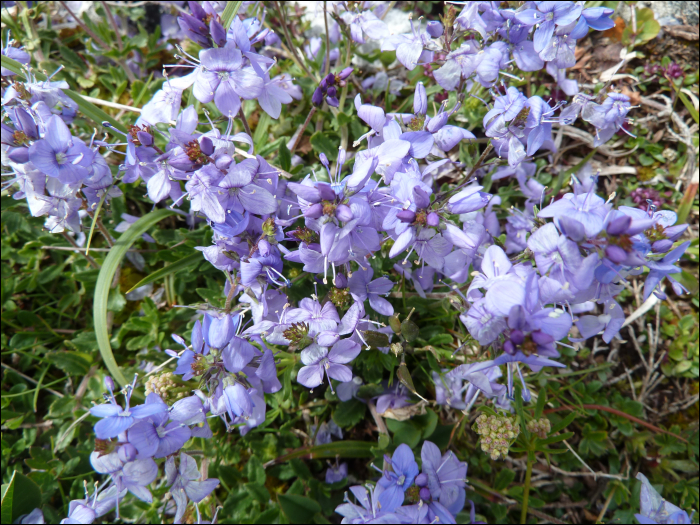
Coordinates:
(336,473)
(369,509)
(655,509)
(547,16)
(363,287)
(117,419)
(663,269)
(60,155)
(403,471)
(446,477)
(223,79)
(183,485)
(153,438)
(319,360)
(364,25)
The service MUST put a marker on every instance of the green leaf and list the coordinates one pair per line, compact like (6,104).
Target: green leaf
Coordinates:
(72,363)
(349,413)
(183,263)
(343,449)
(104,281)
(260,135)
(689,106)
(541,400)
(20,497)
(322,143)
(299,509)
(404,432)
(229,12)
(285,157)
(503,479)
(86,108)
(555,439)
(564,423)
(439,339)
(405,377)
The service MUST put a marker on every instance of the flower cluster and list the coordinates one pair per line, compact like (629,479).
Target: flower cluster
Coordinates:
(130,438)
(497,434)
(404,494)
(541,427)
(561,265)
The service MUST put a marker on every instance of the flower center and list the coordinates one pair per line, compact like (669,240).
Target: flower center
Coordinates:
(223,75)
(401,480)
(61,158)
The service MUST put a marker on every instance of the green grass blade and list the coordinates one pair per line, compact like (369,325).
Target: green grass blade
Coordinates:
(183,263)
(343,449)
(94,221)
(104,281)
(689,106)
(229,12)
(88,109)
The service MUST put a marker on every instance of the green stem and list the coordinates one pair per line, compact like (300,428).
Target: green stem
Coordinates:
(526,489)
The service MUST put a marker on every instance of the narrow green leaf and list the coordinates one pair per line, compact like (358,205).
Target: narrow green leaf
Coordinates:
(94,221)
(183,263)
(405,377)
(88,109)
(260,135)
(689,105)
(229,12)
(555,439)
(285,157)
(541,400)
(104,281)
(564,423)
(343,449)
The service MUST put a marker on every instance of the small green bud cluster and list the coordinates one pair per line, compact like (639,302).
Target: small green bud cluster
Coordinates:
(497,433)
(541,427)
(166,386)
(298,334)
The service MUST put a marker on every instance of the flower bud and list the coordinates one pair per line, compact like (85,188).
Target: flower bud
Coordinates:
(345,73)
(127,452)
(425,494)
(662,246)
(332,91)
(420,100)
(224,162)
(616,254)
(433,219)
(317,97)
(434,29)
(343,212)
(619,225)
(330,79)
(327,193)
(509,347)
(406,216)
(144,138)
(422,480)
(264,247)
(314,211)
(206,146)
(341,281)
(218,33)
(109,383)
(517,337)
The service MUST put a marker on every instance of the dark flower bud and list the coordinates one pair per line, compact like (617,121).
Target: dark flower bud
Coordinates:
(343,212)
(197,10)
(509,347)
(433,219)
(206,146)
(330,79)
(345,73)
(323,85)
(218,33)
(517,337)
(341,281)
(333,102)
(314,211)
(144,138)
(422,480)
(317,97)
(127,452)
(616,254)
(332,91)
(619,225)
(327,193)
(406,216)
(434,29)
(425,494)
(662,246)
